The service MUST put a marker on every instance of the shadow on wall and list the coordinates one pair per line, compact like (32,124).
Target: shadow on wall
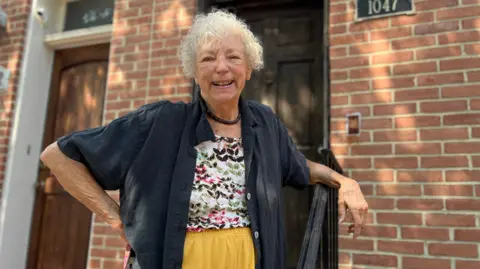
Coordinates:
(144,63)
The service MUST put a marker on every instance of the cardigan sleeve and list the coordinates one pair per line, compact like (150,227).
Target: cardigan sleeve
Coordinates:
(295,170)
(108,151)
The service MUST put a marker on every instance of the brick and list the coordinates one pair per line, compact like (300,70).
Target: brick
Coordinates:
(399,218)
(475,104)
(463,204)
(379,231)
(417,121)
(409,20)
(396,162)
(390,33)
(341,112)
(463,176)
(112,264)
(476,161)
(417,94)
(398,190)
(458,37)
(476,132)
(382,110)
(338,52)
(440,79)
(375,260)
(348,39)
(448,190)
(372,124)
(419,233)
(392,57)
(418,148)
(423,263)
(458,13)
(339,150)
(368,48)
(460,64)
(437,27)
(339,75)
(355,162)
(467,264)
(462,147)
(372,149)
(419,176)
(371,98)
(453,250)
(377,175)
(444,134)
(379,203)
(472,49)
(473,76)
(338,8)
(427,5)
(470,24)
(339,100)
(343,138)
(338,29)
(467,235)
(341,18)
(104,253)
(368,72)
(344,87)
(115,242)
(413,42)
(368,25)
(420,204)
(470,2)
(396,135)
(414,68)
(438,53)
(450,220)
(344,258)
(349,62)
(355,244)
(393,83)
(443,106)
(443,161)
(412,248)
(461,119)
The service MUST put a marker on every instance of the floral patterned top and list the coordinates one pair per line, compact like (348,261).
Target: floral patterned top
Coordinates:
(218,195)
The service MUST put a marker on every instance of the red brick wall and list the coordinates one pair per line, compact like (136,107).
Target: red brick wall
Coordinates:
(11,54)
(144,67)
(416,81)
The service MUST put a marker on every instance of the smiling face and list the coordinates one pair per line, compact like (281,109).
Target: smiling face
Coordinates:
(222,69)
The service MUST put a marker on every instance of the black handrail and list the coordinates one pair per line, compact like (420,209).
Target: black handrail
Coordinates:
(320,242)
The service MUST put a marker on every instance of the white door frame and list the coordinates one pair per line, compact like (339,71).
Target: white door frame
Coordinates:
(18,195)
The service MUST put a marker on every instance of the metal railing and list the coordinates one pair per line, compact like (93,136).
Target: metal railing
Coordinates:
(320,243)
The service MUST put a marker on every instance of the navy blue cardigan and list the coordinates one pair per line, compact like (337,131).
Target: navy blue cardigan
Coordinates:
(149,156)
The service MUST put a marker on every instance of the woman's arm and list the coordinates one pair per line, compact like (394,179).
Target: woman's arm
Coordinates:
(78,182)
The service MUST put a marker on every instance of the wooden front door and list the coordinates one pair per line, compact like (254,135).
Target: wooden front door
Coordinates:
(61,225)
(292,85)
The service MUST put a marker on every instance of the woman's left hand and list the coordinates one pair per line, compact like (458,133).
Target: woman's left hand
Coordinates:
(351,199)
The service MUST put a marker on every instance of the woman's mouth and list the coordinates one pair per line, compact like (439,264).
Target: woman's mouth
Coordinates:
(222,84)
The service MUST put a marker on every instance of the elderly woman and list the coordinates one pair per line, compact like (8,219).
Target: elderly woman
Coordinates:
(200,183)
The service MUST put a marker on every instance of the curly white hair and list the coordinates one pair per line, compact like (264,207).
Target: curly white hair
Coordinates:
(215,25)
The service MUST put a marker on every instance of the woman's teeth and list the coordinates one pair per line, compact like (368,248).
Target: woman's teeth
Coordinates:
(222,83)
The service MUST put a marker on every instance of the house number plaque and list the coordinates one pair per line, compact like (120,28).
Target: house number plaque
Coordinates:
(371,9)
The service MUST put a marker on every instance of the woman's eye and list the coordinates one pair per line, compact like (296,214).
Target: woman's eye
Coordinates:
(207,59)
(234,57)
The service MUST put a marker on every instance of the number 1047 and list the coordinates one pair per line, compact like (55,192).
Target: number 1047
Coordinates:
(377,6)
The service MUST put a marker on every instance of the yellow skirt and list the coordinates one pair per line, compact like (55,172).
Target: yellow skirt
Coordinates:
(219,249)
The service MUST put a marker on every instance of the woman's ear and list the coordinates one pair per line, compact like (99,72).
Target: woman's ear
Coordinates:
(249,73)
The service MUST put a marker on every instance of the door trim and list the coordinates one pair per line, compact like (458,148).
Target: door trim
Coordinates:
(25,144)
(80,38)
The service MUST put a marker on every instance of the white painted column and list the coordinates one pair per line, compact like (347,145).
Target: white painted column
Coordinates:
(25,145)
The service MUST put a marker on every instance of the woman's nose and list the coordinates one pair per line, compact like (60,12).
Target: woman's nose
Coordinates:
(221,65)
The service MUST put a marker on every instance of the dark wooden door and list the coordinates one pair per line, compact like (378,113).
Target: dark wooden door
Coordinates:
(61,225)
(291,83)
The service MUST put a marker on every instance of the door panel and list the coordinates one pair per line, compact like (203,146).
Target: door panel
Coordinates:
(291,83)
(61,224)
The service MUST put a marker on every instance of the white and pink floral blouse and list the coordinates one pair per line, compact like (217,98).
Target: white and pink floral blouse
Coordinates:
(218,195)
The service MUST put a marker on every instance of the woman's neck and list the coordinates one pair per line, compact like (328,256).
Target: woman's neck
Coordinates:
(224,110)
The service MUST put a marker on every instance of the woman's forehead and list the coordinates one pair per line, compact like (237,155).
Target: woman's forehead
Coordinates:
(228,43)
